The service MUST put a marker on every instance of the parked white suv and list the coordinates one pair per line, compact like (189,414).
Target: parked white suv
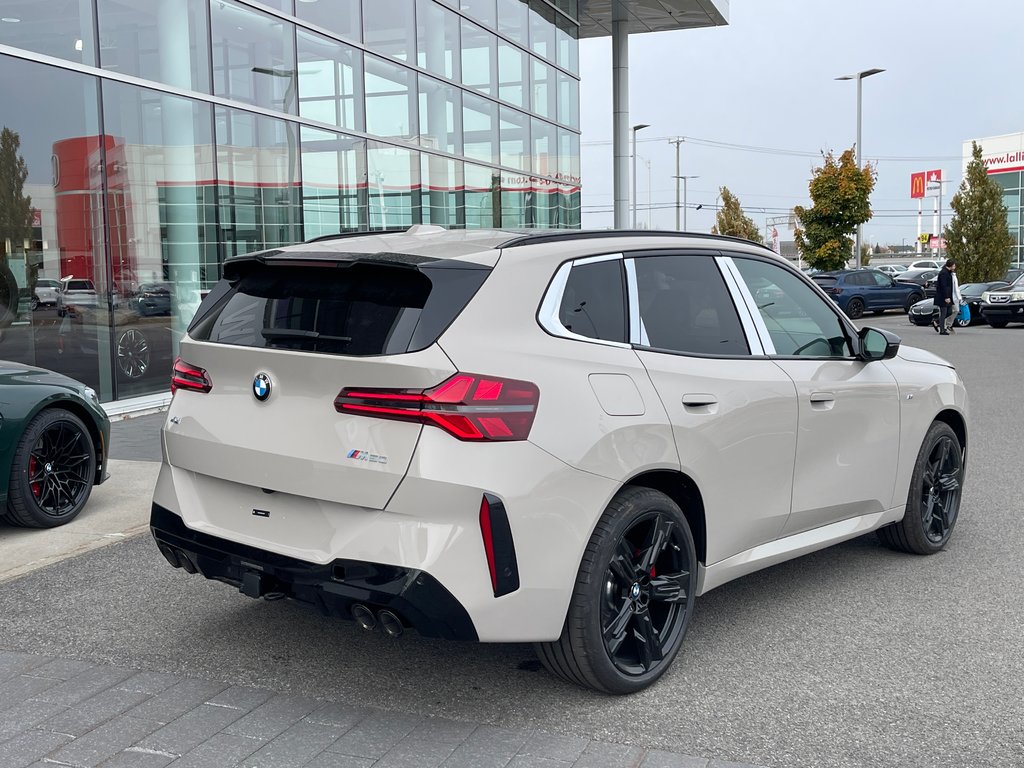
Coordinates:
(561,438)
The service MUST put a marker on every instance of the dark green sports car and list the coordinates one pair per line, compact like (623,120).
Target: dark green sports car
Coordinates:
(53,446)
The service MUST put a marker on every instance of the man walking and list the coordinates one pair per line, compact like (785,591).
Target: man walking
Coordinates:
(944,295)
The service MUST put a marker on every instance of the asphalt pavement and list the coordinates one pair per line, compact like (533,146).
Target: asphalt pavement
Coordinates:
(853,656)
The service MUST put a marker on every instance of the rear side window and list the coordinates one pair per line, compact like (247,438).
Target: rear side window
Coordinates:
(825,282)
(685,306)
(359,309)
(594,301)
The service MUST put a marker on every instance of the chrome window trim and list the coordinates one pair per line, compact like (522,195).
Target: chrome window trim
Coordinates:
(751,318)
(637,331)
(547,315)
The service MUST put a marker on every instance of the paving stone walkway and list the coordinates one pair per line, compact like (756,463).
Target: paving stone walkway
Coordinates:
(61,712)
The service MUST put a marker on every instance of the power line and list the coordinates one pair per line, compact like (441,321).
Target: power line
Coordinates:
(712,144)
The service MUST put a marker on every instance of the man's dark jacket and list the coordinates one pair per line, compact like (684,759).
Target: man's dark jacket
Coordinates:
(943,287)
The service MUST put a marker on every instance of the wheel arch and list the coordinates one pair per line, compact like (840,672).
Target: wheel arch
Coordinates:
(956,422)
(683,491)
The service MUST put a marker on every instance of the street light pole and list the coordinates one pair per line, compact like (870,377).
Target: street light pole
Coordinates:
(859,77)
(638,127)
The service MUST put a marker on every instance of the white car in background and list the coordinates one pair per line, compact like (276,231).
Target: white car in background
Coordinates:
(561,438)
(46,291)
(928,264)
(76,293)
(891,269)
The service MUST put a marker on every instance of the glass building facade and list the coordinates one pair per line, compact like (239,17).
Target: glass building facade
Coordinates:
(144,141)
(1010,181)
(1003,157)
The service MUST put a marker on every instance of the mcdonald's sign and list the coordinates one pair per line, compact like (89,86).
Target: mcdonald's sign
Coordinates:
(917,185)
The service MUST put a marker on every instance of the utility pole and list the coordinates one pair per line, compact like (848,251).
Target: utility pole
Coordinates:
(677,142)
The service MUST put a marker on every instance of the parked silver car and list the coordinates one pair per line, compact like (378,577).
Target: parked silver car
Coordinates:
(46,292)
(561,438)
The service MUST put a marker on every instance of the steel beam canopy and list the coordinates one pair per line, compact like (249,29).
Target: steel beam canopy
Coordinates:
(652,15)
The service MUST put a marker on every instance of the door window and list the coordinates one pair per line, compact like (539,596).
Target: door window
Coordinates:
(798,320)
(593,302)
(686,307)
(882,280)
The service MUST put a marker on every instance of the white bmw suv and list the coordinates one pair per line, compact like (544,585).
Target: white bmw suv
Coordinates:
(561,438)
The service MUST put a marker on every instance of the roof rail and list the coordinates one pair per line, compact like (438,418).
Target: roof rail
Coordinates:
(561,235)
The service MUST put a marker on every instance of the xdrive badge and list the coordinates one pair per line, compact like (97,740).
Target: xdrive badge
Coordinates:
(261,387)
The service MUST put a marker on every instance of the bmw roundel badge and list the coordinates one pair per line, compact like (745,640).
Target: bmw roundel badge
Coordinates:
(261,387)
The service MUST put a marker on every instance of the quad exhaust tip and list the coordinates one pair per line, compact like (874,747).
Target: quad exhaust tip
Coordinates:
(391,624)
(388,622)
(364,617)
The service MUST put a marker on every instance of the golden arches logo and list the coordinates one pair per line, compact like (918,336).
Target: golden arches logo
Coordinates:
(917,185)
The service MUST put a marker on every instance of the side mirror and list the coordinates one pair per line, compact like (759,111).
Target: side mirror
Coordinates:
(876,344)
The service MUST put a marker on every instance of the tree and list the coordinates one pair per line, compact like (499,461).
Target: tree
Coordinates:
(15,219)
(730,219)
(977,237)
(840,193)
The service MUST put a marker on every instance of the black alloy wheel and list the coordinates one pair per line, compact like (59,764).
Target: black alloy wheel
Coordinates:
(132,354)
(911,301)
(633,598)
(855,308)
(53,471)
(645,594)
(933,503)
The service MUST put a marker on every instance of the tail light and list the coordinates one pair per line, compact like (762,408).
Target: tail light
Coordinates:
(467,406)
(188,376)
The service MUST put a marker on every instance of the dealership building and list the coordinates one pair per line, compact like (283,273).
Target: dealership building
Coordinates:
(1004,160)
(151,139)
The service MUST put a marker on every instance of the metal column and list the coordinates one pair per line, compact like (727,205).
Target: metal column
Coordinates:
(620,113)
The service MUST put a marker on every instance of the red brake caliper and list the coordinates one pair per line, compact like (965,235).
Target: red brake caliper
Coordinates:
(37,487)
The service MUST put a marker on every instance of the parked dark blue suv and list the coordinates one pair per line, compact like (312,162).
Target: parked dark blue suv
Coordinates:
(859,290)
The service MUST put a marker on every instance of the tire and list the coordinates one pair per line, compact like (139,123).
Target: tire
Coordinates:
(9,296)
(624,627)
(855,308)
(911,301)
(933,503)
(34,303)
(44,498)
(961,323)
(998,323)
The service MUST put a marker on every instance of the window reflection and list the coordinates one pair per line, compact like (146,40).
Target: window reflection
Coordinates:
(257,191)
(566,35)
(441,190)
(160,207)
(390,99)
(514,20)
(568,100)
(62,30)
(544,89)
(542,29)
(253,57)
(480,128)
(159,40)
(389,27)
(515,139)
(330,81)
(437,34)
(393,186)
(52,224)
(338,16)
(483,197)
(513,75)
(479,58)
(440,115)
(334,196)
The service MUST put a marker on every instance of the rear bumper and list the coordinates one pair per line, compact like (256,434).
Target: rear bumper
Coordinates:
(415,596)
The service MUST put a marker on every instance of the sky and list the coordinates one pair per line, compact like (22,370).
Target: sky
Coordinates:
(953,73)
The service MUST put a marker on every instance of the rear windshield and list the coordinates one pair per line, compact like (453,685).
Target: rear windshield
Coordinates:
(79,285)
(356,309)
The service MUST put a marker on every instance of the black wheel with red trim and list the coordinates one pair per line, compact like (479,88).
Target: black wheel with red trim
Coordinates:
(633,597)
(53,471)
